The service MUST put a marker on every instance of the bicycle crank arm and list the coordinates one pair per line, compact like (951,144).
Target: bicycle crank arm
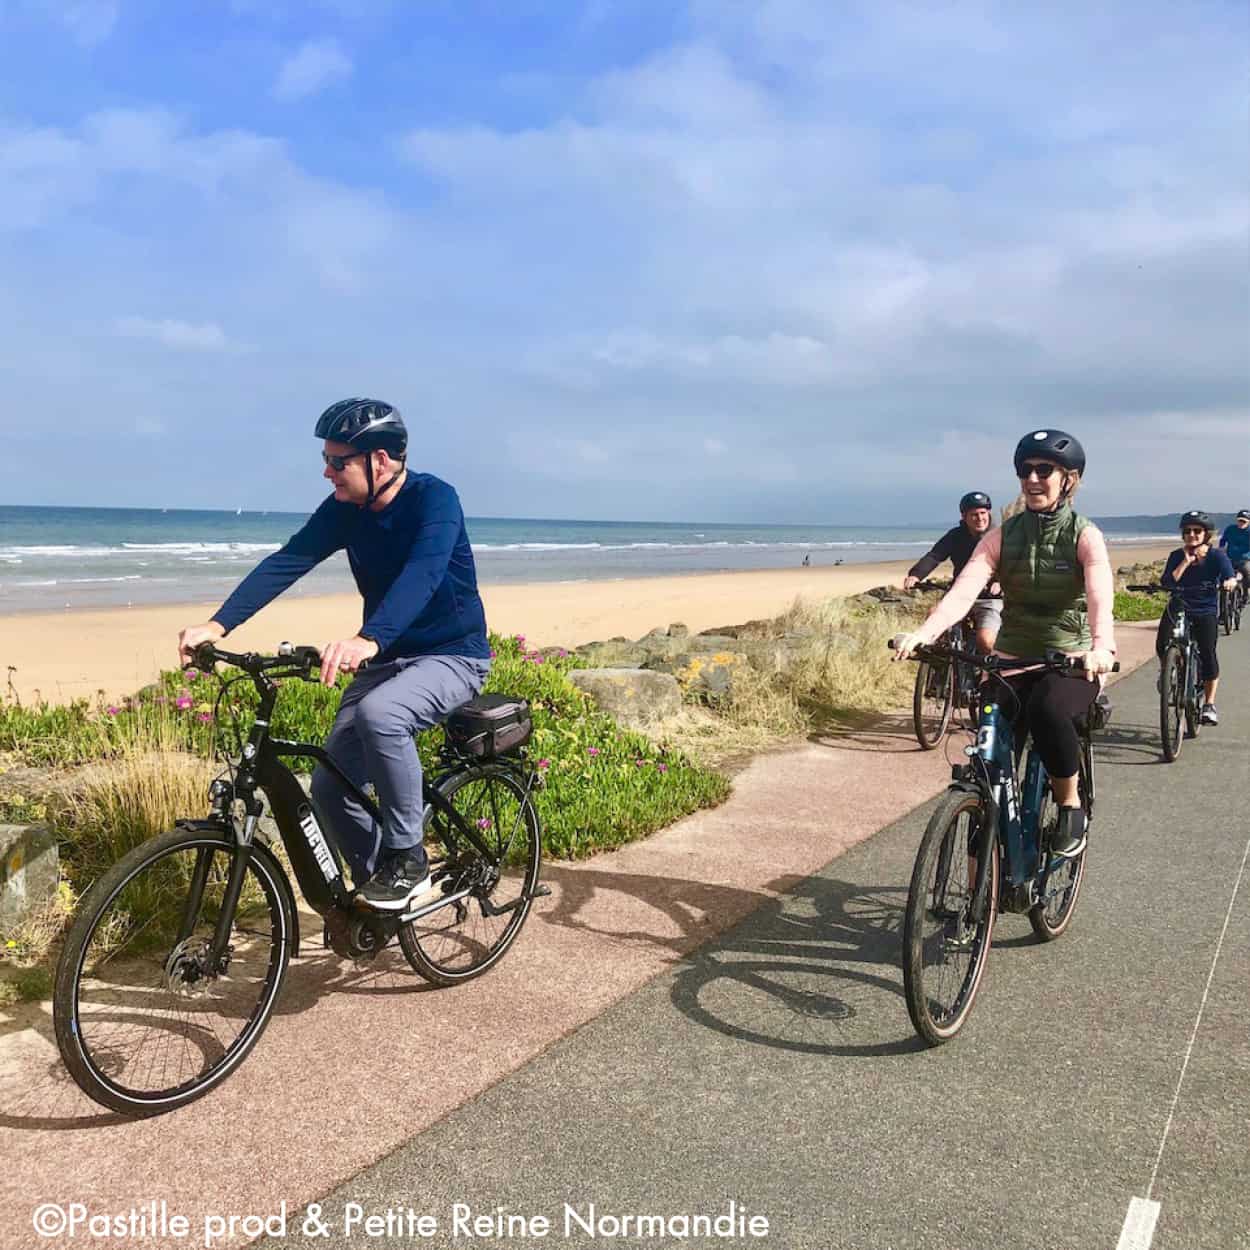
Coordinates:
(489,908)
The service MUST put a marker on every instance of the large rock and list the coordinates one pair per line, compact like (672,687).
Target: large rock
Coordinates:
(635,697)
(29,871)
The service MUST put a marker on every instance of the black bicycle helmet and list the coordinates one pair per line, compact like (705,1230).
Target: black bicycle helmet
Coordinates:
(1245,512)
(366,424)
(974,499)
(1197,518)
(1054,445)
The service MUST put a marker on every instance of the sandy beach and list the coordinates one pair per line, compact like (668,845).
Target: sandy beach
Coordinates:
(71,654)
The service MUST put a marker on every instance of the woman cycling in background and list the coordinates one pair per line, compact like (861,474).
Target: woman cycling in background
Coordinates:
(1196,570)
(1058,592)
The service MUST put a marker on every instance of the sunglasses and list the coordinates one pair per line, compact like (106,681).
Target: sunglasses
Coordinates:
(1193,529)
(339,463)
(1043,471)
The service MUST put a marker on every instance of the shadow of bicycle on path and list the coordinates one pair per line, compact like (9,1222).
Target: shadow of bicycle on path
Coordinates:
(815,972)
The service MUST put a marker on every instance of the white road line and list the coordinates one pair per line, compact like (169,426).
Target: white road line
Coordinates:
(1139,1225)
(1143,1213)
(1189,1050)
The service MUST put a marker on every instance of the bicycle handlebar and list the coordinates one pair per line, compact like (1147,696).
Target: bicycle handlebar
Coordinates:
(1056,661)
(289,656)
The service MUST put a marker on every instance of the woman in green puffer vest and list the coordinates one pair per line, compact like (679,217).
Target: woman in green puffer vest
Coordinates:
(1058,592)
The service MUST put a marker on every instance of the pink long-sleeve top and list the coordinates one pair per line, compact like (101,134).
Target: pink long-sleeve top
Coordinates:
(1091,551)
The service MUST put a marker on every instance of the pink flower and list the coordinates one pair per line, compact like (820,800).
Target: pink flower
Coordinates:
(112,711)
(562,653)
(492,653)
(484,823)
(592,750)
(520,640)
(205,717)
(662,768)
(183,703)
(544,763)
(192,674)
(639,763)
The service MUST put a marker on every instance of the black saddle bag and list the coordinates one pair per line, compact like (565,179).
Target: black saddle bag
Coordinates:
(490,725)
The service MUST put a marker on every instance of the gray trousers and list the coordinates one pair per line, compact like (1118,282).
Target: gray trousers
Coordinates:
(372,741)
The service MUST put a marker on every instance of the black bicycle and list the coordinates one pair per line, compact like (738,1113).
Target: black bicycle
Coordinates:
(1232,603)
(943,687)
(174,963)
(985,850)
(1180,685)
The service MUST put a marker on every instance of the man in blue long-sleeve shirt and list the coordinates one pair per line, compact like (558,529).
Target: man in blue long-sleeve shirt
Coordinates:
(423,636)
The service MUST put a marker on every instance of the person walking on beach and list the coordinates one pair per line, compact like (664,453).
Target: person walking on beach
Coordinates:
(957,546)
(1197,571)
(1058,592)
(423,636)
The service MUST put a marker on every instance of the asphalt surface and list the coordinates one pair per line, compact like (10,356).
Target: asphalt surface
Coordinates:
(776,1068)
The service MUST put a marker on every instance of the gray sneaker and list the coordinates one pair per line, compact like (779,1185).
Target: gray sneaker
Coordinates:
(1068,839)
(401,881)
(1209,715)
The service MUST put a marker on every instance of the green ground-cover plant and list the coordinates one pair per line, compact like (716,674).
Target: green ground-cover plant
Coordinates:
(1131,606)
(603,785)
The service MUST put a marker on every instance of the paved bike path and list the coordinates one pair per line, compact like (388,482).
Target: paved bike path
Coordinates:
(777,1068)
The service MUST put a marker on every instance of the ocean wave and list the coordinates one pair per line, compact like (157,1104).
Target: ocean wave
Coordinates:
(129,549)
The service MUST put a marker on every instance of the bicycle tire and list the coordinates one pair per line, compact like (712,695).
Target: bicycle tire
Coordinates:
(935,683)
(1172,701)
(462,940)
(1051,916)
(930,907)
(1226,612)
(98,1020)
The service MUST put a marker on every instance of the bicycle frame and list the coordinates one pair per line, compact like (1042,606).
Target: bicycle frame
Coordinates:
(315,859)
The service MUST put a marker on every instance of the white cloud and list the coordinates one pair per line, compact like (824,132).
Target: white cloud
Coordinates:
(208,337)
(316,65)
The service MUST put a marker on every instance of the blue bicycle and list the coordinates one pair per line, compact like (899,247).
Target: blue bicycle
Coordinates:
(986,850)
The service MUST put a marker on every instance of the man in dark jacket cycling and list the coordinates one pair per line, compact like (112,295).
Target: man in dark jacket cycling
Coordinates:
(957,546)
(423,636)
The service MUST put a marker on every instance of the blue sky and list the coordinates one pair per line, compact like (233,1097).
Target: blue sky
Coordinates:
(772,261)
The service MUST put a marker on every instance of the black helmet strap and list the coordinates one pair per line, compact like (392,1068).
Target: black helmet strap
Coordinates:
(376,493)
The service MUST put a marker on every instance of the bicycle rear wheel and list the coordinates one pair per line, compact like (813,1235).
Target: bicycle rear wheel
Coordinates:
(944,948)
(142,1023)
(463,939)
(1062,884)
(932,701)
(1172,701)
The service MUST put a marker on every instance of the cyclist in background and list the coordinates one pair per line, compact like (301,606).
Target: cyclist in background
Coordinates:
(1235,543)
(957,546)
(1058,592)
(1197,570)
(423,636)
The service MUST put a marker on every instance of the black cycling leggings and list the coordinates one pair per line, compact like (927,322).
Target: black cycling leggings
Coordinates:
(1049,704)
(1205,630)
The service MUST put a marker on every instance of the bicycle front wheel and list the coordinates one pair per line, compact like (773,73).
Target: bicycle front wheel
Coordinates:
(1172,702)
(461,940)
(945,948)
(1226,611)
(932,701)
(142,1022)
